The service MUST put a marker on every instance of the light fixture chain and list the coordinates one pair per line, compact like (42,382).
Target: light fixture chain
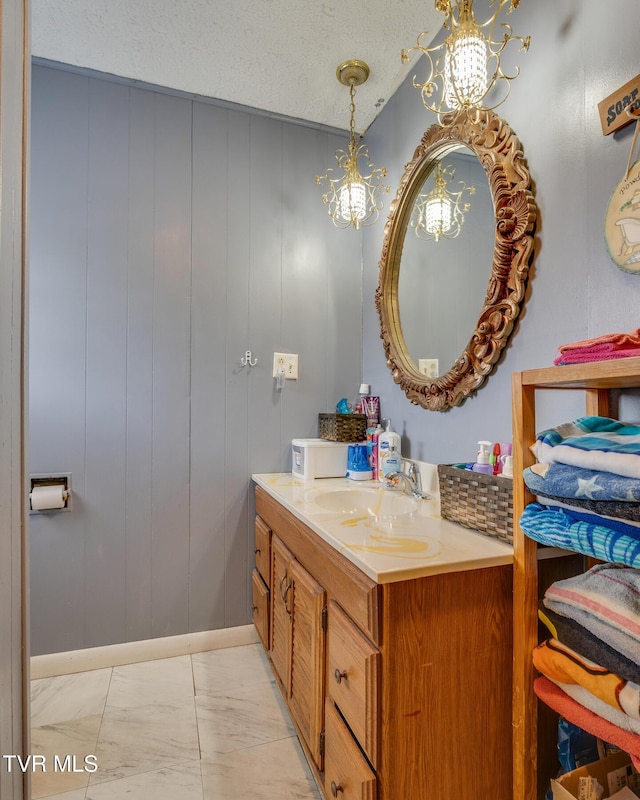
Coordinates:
(352,111)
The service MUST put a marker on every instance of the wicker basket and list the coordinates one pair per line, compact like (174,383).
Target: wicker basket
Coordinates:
(343,427)
(475,500)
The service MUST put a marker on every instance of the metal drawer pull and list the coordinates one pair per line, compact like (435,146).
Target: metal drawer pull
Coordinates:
(340,676)
(256,550)
(335,789)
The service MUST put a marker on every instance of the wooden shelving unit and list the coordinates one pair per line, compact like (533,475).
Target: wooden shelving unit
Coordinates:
(534,748)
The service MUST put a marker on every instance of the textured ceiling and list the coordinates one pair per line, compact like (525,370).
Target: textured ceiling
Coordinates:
(279,56)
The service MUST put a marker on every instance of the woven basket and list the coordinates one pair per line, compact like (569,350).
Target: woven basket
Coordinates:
(343,427)
(478,501)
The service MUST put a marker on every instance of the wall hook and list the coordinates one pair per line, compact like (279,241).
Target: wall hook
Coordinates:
(248,360)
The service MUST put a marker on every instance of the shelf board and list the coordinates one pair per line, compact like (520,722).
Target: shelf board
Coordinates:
(621,373)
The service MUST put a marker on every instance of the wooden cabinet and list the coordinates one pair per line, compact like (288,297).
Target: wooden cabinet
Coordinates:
(534,726)
(407,684)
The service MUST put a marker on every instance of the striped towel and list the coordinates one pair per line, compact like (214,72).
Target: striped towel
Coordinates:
(597,443)
(557,527)
(570,633)
(606,601)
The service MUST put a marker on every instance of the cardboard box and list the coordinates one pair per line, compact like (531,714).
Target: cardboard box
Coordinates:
(611,773)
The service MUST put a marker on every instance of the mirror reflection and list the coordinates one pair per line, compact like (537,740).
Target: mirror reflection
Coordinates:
(446,261)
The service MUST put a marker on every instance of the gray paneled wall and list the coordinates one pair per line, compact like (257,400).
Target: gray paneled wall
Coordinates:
(169,236)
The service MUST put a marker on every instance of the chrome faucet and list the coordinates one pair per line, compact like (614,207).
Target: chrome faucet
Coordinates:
(410,481)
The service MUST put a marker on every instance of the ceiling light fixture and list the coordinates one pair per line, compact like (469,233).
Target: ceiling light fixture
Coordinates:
(440,212)
(353,197)
(466,66)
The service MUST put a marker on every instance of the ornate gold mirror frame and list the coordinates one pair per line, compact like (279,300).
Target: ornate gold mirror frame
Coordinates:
(500,153)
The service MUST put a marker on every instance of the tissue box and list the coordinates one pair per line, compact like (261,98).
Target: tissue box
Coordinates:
(316,458)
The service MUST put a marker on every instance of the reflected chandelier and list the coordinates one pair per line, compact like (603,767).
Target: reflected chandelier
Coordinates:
(353,197)
(465,67)
(440,213)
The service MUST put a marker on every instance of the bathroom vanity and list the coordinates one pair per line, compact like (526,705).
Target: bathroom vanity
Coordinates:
(389,633)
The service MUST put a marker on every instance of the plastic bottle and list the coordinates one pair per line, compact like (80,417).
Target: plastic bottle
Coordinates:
(373,434)
(389,457)
(483,463)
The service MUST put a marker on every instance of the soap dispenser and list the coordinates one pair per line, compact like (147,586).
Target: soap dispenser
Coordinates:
(389,457)
(483,463)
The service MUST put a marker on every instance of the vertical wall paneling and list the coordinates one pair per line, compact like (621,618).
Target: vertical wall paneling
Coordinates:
(266,292)
(171,366)
(106,373)
(344,298)
(169,237)
(139,422)
(236,443)
(208,368)
(57,349)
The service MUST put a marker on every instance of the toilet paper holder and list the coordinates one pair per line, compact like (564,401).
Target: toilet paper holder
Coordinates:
(62,479)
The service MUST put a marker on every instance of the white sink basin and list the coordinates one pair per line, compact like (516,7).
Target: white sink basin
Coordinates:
(366,502)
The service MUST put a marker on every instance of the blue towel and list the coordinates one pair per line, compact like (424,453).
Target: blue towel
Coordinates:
(598,443)
(561,480)
(557,528)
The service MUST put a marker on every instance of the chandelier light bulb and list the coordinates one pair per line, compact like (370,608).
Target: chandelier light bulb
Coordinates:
(353,201)
(465,68)
(438,216)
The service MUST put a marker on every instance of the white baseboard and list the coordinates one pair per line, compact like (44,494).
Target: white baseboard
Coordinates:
(115,655)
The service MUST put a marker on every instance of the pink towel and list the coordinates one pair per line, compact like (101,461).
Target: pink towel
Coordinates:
(582,357)
(611,341)
(600,348)
(556,699)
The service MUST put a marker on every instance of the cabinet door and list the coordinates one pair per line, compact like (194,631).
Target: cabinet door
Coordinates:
(263,549)
(306,701)
(347,775)
(280,651)
(260,607)
(353,664)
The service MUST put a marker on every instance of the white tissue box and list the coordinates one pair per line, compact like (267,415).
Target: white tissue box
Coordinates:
(318,458)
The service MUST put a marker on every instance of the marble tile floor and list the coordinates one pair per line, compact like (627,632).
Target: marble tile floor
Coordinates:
(207,726)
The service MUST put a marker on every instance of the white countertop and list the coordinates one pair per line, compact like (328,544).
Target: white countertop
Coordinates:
(386,545)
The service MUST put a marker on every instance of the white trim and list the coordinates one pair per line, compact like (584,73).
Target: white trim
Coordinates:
(114,655)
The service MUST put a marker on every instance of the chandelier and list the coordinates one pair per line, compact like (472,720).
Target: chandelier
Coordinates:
(466,66)
(440,213)
(353,197)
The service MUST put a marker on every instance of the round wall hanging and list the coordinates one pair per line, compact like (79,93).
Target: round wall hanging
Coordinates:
(622,222)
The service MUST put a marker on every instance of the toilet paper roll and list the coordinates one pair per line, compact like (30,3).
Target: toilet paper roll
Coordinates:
(46,498)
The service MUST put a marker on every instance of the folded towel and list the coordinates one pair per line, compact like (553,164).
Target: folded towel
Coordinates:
(596,443)
(608,342)
(571,633)
(587,700)
(606,600)
(562,480)
(607,508)
(574,712)
(585,356)
(554,526)
(629,527)
(561,664)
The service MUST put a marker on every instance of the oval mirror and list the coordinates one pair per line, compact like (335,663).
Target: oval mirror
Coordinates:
(455,258)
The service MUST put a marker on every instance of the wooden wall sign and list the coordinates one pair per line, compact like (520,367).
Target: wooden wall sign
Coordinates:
(613,109)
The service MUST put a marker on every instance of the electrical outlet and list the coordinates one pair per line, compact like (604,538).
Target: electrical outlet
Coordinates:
(429,367)
(290,363)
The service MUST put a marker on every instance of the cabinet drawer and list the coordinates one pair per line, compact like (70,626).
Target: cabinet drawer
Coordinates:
(263,549)
(260,607)
(347,774)
(353,665)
